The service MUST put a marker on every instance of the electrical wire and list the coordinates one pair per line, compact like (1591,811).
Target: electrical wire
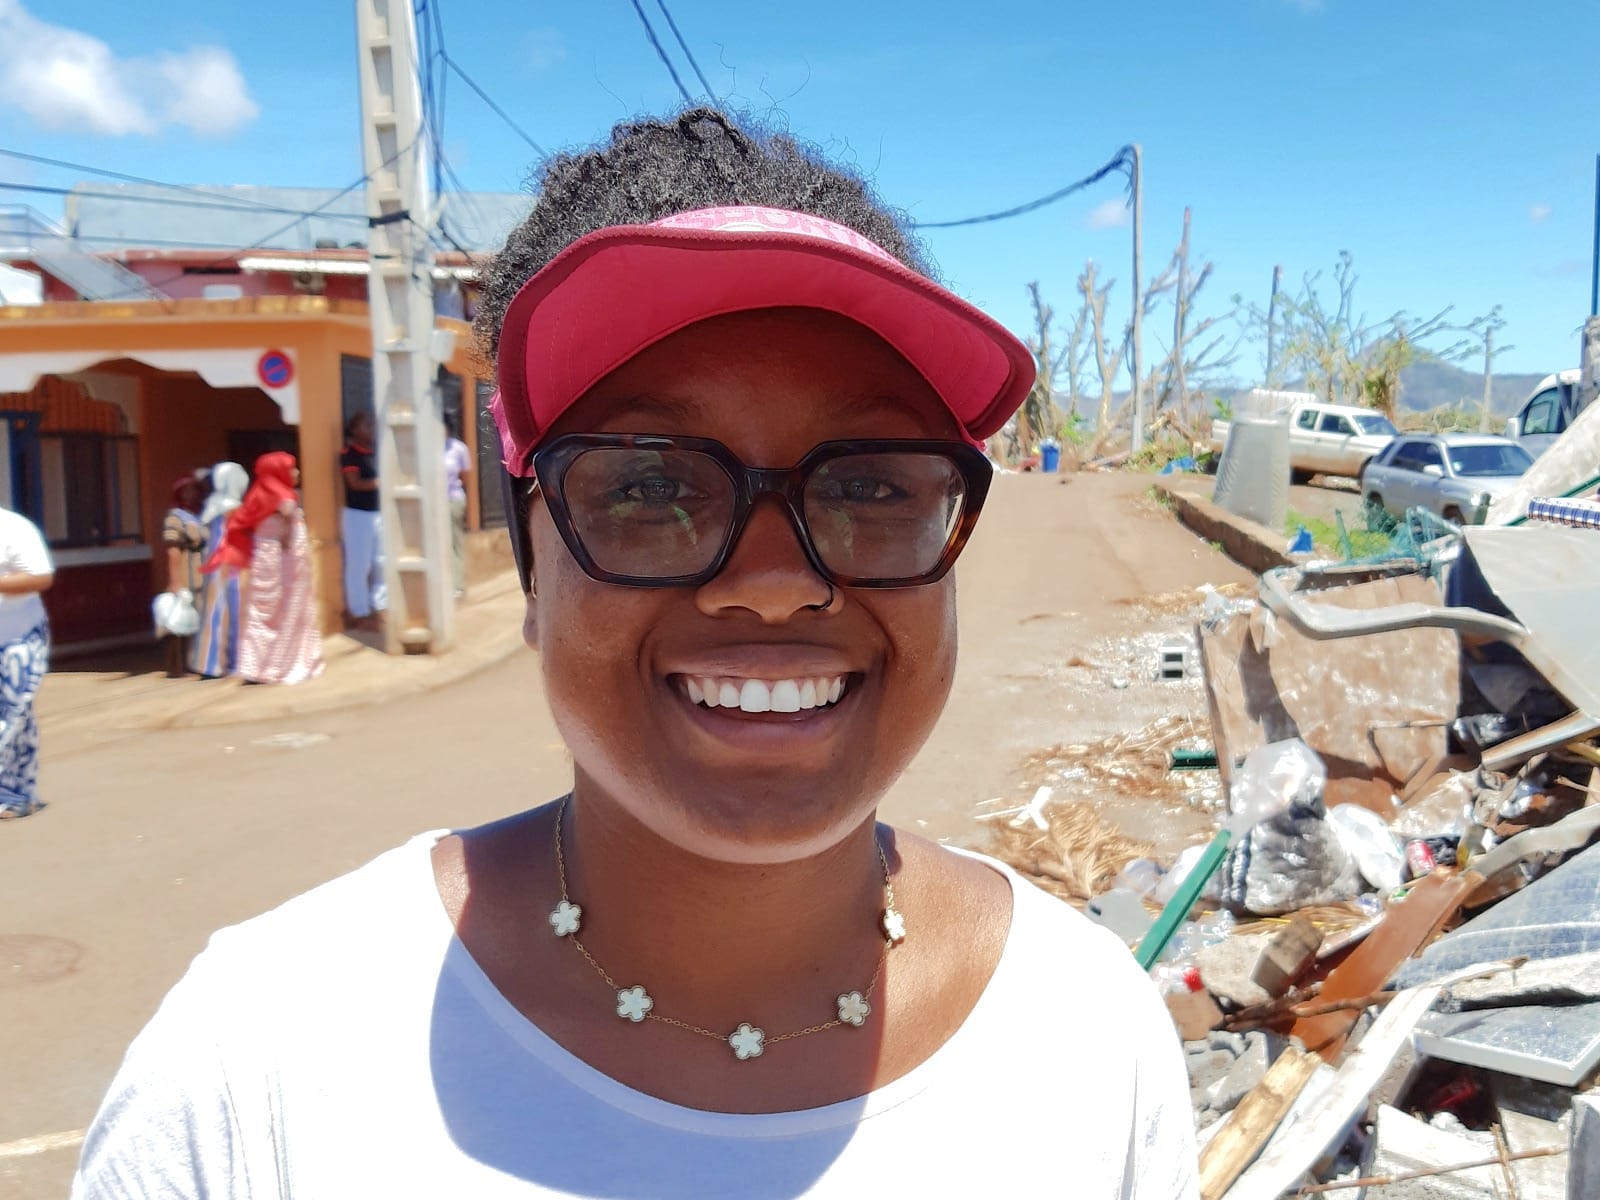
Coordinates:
(716,101)
(489,100)
(261,243)
(107,174)
(1122,161)
(46,190)
(650,32)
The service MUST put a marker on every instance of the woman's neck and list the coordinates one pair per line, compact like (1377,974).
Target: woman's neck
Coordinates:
(712,934)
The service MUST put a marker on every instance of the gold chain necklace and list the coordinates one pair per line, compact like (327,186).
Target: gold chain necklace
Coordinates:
(747,1041)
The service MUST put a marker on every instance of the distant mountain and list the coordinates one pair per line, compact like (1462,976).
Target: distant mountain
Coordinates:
(1428,385)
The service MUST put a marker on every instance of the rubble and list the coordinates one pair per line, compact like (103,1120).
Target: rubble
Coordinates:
(1386,962)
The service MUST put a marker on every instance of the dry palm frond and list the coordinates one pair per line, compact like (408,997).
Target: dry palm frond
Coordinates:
(1075,857)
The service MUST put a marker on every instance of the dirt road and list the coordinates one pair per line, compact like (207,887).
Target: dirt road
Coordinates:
(151,842)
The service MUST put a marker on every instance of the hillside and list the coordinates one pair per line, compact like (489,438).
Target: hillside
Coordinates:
(1428,385)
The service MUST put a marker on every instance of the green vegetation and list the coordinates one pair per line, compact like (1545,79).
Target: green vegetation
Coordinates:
(1325,535)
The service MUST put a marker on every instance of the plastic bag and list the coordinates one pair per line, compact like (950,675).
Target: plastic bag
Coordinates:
(1273,779)
(1285,855)
(175,614)
(1368,839)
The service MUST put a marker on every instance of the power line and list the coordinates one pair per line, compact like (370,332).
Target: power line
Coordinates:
(487,99)
(688,53)
(106,174)
(46,190)
(1121,161)
(660,53)
(261,243)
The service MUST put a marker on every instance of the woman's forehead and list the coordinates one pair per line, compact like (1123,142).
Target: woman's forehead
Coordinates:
(777,374)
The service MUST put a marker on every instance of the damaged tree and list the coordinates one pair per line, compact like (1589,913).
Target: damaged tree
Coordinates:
(1336,351)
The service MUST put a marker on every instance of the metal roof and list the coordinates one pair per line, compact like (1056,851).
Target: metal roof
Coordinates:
(107,216)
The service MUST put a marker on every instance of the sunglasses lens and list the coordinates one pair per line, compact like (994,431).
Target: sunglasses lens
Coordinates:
(887,516)
(651,513)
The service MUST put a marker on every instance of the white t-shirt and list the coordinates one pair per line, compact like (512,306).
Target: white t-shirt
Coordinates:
(346,1045)
(22,551)
(457,461)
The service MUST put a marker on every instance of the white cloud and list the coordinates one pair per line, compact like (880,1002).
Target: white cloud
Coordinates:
(1113,214)
(543,48)
(1538,213)
(69,81)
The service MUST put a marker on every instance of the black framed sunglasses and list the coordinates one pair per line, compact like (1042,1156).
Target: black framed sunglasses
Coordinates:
(646,510)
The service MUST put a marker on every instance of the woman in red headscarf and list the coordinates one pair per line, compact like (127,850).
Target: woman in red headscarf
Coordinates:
(280,641)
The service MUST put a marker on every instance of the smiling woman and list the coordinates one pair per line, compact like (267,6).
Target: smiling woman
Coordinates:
(738,423)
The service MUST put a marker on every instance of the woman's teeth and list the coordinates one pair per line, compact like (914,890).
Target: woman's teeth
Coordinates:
(762,695)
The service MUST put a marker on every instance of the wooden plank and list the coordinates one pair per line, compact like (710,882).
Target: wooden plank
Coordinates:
(1406,928)
(1247,1128)
(1290,1156)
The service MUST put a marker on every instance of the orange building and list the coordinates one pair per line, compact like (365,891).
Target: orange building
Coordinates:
(104,404)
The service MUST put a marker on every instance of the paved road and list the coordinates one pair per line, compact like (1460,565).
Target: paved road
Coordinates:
(152,841)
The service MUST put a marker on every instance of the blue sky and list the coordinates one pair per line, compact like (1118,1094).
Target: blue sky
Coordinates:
(1450,148)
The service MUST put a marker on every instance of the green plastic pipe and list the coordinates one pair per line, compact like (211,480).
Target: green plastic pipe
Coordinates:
(1177,909)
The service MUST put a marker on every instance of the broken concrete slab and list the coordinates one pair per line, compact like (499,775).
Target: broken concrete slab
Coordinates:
(1583,1154)
(1401,1143)
(1533,1116)
(1227,968)
(1246,1072)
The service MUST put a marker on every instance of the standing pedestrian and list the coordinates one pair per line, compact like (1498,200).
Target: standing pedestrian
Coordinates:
(279,641)
(183,535)
(361,526)
(458,475)
(216,646)
(25,572)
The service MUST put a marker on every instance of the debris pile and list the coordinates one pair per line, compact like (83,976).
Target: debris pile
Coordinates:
(1385,965)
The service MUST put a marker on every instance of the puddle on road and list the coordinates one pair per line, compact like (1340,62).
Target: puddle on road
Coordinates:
(30,958)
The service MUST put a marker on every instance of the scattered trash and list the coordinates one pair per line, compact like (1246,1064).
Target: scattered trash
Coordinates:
(291,741)
(1385,964)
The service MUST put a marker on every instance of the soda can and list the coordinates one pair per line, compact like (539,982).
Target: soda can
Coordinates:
(1419,857)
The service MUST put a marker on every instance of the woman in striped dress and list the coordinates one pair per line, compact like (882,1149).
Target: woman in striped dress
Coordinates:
(279,641)
(216,646)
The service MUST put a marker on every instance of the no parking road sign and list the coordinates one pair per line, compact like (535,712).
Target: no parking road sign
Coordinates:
(275,369)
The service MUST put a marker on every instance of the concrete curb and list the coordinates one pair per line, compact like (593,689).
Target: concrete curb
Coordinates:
(1248,543)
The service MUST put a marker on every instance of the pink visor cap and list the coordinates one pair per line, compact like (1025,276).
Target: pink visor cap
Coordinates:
(618,290)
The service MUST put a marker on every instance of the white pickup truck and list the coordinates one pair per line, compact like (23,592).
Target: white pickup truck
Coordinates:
(1326,439)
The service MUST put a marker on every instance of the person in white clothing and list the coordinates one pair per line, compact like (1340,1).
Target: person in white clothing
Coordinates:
(738,422)
(457,478)
(25,574)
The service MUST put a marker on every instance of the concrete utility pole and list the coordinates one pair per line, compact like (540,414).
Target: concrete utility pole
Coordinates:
(410,428)
(1137,442)
(1272,322)
(1485,413)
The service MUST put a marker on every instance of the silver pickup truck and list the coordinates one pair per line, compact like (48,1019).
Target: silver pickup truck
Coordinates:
(1326,439)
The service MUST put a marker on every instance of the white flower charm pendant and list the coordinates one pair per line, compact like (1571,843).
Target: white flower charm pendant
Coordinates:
(894,926)
(565,917)
(854,1009)
(747,1042)
(633,1003)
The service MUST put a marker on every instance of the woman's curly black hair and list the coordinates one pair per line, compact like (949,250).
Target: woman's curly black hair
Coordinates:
(654,168)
